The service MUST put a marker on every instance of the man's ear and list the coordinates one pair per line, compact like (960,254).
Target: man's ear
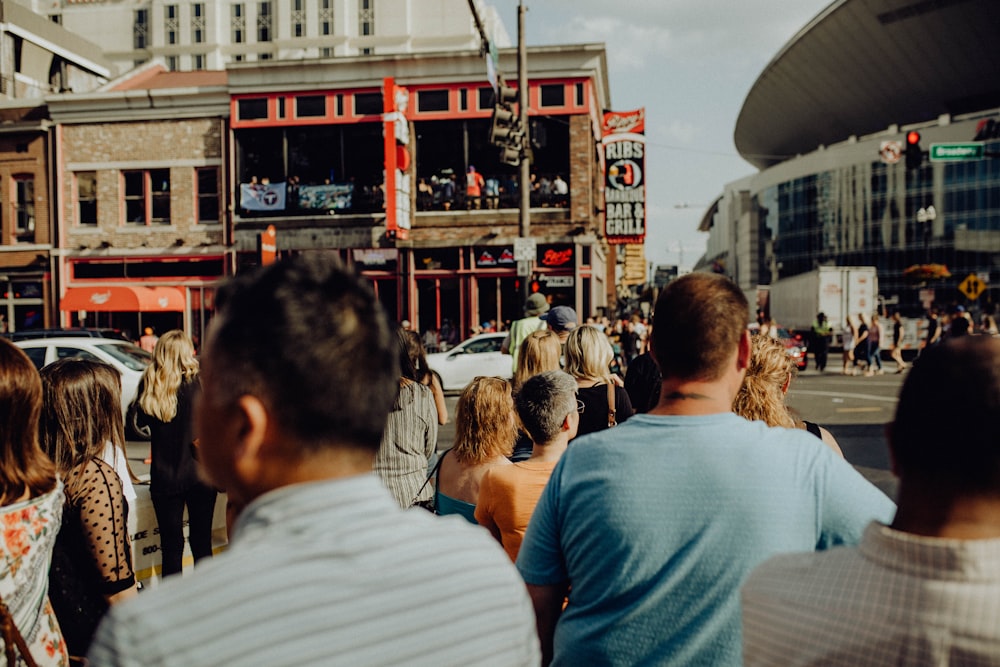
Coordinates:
(745,351)
(248,459)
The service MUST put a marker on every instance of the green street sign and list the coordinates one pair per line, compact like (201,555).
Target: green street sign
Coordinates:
(957,152)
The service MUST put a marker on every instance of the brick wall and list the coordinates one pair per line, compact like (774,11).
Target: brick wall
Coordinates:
(109,148)
(24,155)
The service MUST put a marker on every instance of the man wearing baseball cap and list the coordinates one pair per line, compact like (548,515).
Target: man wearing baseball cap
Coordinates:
(562,320)
(521,329)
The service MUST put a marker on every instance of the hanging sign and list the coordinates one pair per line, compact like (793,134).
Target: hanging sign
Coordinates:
(624,146)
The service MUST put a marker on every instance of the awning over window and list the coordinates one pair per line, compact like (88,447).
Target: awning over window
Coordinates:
(119,298)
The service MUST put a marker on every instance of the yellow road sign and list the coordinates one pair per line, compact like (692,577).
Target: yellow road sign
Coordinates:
(972,286)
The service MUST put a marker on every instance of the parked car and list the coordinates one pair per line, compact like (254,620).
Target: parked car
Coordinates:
(796,346)
(129,359)
(31,334)
(479,355)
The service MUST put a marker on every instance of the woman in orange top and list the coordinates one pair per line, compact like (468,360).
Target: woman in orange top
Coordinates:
(548,409)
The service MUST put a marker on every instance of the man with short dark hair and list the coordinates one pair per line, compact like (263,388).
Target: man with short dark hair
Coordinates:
(652,526)
(299,372)
(561,320)
(924,590)
(548,409)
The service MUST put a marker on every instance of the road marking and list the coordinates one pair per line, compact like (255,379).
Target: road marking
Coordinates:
(840,394)
(874,409)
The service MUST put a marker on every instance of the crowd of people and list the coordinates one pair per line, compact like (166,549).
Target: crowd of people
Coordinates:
(684,516)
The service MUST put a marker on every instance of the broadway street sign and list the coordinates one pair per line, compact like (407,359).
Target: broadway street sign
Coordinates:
(957,152)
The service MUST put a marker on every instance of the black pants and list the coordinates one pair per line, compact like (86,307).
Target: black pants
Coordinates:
(169,508)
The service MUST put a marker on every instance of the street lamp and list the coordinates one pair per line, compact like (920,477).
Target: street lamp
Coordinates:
(926,216)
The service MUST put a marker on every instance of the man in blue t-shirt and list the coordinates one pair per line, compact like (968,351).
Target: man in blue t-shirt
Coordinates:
(651,527)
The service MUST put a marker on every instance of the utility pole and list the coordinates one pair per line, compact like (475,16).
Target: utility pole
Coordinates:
(524,213)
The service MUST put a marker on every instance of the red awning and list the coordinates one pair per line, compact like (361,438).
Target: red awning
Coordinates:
(123,298)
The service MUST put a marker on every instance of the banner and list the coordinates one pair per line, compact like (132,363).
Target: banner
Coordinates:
(624,148)
(332,197)
(396,133)
(262,197)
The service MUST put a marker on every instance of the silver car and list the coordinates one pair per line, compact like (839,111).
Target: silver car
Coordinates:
(129,359)
(479,355)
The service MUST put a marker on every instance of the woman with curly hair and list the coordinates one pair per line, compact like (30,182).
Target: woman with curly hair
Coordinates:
(166,397)
(762,395)
(31,507)
(484,438)
(588,359)
(92,561)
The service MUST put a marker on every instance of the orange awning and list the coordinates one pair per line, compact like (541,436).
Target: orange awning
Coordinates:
(123,298)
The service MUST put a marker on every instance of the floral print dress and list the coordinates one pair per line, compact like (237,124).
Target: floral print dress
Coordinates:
(29,530)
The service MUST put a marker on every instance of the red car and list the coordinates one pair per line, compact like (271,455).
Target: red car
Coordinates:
(796,346)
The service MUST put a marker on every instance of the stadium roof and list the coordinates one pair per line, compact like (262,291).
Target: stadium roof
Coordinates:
(863,65)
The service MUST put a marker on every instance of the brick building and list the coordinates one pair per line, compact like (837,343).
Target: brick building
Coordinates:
(166,181)
(140,177)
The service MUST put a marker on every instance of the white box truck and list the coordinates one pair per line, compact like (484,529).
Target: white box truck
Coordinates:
(836,291)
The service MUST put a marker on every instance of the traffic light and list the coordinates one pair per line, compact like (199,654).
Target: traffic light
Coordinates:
(914,154)
(505,129)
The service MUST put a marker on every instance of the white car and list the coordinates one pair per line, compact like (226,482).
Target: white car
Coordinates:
(129,359)
(479,355)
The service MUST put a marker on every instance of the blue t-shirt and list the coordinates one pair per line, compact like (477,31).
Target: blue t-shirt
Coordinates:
(656,523)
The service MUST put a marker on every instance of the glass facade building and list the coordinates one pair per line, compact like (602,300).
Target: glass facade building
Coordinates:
(844,205)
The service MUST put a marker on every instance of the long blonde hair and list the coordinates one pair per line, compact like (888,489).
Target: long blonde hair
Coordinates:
(539,352)
(173,364)
(484,426)
(762,396)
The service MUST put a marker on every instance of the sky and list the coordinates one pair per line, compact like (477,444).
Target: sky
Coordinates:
(690,63)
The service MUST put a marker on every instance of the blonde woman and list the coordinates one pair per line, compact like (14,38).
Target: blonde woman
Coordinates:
(762,395)
(484,438)
(539,352)
(166,395)
(588,358)
(92,561)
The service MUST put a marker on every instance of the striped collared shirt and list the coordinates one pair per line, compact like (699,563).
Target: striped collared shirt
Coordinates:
(896,599)
(333,573)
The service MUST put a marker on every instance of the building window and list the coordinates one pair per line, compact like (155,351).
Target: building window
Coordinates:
(86,197)
(264,21)
(366,18)
(172,63)
(208,195)
(198,61)
(432,100)
(238,24)
(147,196)
(326,52)
(140,29)
(170,23)
(252,109)
(463,100)
(298,18)
(265,56)
(579,95)
(553,95)
(325,17)
(310,106)
(198,23)
(486,99)
(366,104)
(24,208)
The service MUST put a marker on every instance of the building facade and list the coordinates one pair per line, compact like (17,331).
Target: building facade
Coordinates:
(37,58)
(210,34)
(828,126)
(171,180)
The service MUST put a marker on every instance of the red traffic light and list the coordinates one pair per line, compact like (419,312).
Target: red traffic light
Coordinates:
(913,138)
(535,286)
